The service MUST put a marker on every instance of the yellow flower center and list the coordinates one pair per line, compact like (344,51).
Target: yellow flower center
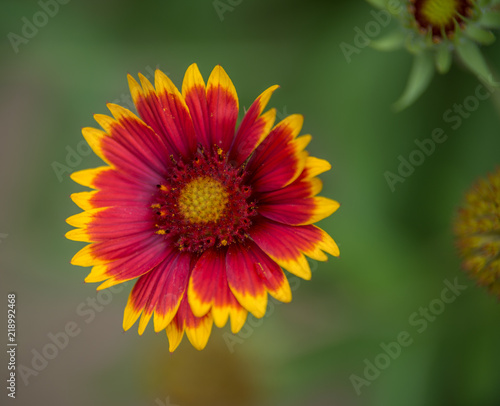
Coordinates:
(440,12)
(203,200)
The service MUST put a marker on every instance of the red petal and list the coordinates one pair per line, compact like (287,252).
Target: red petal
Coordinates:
(287,244)
(279,159)
(113,222)
(253,128)
(130,266)
(176,115)
(209,289)
(248,288)
(222,108)
(194,92)
(298,211)
(137,137)
(207,280)
(117,248)
(161,291)
(198,329)
(151,110)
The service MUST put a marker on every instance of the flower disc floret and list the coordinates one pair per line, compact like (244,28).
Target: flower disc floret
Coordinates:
(203,203)
(441,17)
(477,228)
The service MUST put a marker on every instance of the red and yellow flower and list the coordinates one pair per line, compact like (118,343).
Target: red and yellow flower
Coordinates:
(203,212)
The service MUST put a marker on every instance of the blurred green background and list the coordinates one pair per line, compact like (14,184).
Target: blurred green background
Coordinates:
(397,248)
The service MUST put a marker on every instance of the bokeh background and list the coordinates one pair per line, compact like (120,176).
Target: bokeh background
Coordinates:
(397,247)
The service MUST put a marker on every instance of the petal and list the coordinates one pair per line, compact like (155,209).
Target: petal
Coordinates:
(113,222)
(194,92)
(139,137)
(484,37)
(131,133)
(94,138)
(209,289)
(174,289)
(175,332)
(315,166)
(222,108)
(119,189)
(420,77)
(287,245)
(391,42)
(298,211)
(470,54)
(83,199)
(148,107)
(490,18)
(151,110)
(87,177)
(207,279)
(110,250)
(128,267)
(226,306)
(243,279)
(176,115)
(159,291)
(280,158)
(378,3)
(271,274)
(253,128)
(197,329)
(302,188)
(121,154)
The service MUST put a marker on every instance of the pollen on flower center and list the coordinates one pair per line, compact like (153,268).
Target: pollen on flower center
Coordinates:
(439,12)
(203,200)
(440,17)
(203,203)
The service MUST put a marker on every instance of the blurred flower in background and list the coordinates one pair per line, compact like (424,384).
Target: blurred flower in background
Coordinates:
(190,378)
(478,232)
(435,30)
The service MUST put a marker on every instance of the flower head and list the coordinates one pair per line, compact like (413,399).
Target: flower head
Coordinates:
(477,228)
(435,30)
(204,213)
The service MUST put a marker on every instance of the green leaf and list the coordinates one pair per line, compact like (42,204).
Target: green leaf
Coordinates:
(390,42)
(420,77)
(443,59)
(472,57)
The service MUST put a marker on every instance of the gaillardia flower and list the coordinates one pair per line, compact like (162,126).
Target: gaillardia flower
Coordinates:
(204,214)
(477,228)
(434,30)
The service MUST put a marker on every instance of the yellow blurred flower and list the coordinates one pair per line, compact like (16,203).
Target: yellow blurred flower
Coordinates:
(477,228)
